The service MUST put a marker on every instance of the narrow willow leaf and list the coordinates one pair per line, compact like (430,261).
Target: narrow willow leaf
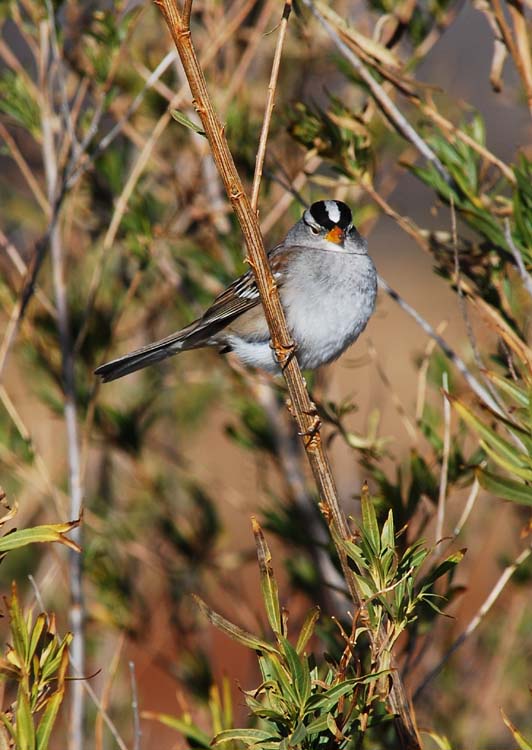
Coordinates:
(388,532)
(329,698)
(307,629)
(494,441)
(506,488)
(318,725)
(19,629)
(38,534)
(24,729)
(234,631)
(36,633)
(248,736)
(190,731)
(369,526)
(510,466)
(270,592)
(355,553)
(182,119)
(333,728)
(46,724)
(519,395)
(518,737)
(444,567)
(298,735)
(299,670)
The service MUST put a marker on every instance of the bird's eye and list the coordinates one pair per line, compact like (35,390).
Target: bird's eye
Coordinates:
(314,230)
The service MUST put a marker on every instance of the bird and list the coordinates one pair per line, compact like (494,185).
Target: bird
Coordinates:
(328,287)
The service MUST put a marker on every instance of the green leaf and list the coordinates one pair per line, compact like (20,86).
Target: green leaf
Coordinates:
(519,395)
(187,729)
(299,671)
(498,444)
(36,633)
(369,525)
(444,567)
(182,119)
(319,725)
(234,631)
(38,534)
(518,737)
(46,724)
(355,553)
(388,532)
(307,629)
(270,592)
(298,735)
(510,466)
(24,729)
(248,736)
(506,488)
(19,628)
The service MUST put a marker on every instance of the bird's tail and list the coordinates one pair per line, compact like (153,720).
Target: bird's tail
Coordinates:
(146,356)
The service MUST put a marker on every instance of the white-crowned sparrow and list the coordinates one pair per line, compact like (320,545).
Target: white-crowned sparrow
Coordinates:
(328,287)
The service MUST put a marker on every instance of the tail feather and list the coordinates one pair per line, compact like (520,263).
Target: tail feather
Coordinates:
(141,358)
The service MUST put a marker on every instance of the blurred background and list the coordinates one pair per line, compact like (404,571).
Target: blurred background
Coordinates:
(118,210)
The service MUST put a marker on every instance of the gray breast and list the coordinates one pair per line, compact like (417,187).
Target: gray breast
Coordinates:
(329,299)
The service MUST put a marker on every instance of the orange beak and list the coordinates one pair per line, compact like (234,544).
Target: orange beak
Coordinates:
(336,235)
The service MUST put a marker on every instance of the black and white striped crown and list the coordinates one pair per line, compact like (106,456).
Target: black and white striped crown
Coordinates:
(330,214)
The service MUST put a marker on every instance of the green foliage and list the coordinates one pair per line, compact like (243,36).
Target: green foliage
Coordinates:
(55,532)
(391,583)
(36,665)
(17,101)
(298,704)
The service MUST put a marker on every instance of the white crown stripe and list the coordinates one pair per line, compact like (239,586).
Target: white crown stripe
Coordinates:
(333,211)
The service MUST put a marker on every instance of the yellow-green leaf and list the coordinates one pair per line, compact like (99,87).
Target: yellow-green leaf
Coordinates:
(270,592)
(234,631)
(54,532)
(506,488)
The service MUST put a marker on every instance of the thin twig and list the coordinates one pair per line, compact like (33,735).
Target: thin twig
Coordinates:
(440,516)
(523,69)
(381,97)
(76,613)
(477,619)
(468,507)
(523,273)
(101,711)
(301,406)
(458,362)
(137,732)
(261,151)
(25,169)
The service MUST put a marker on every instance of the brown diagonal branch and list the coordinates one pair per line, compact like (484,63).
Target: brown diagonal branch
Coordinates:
(301,405)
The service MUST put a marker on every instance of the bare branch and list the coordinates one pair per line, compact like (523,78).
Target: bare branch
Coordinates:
(468,507)
(302,407)
(440,516)
(261,152)
(49,153)
(458,362)
(137,732)
(522,63)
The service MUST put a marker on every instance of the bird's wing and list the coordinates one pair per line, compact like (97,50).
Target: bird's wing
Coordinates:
(240,296)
